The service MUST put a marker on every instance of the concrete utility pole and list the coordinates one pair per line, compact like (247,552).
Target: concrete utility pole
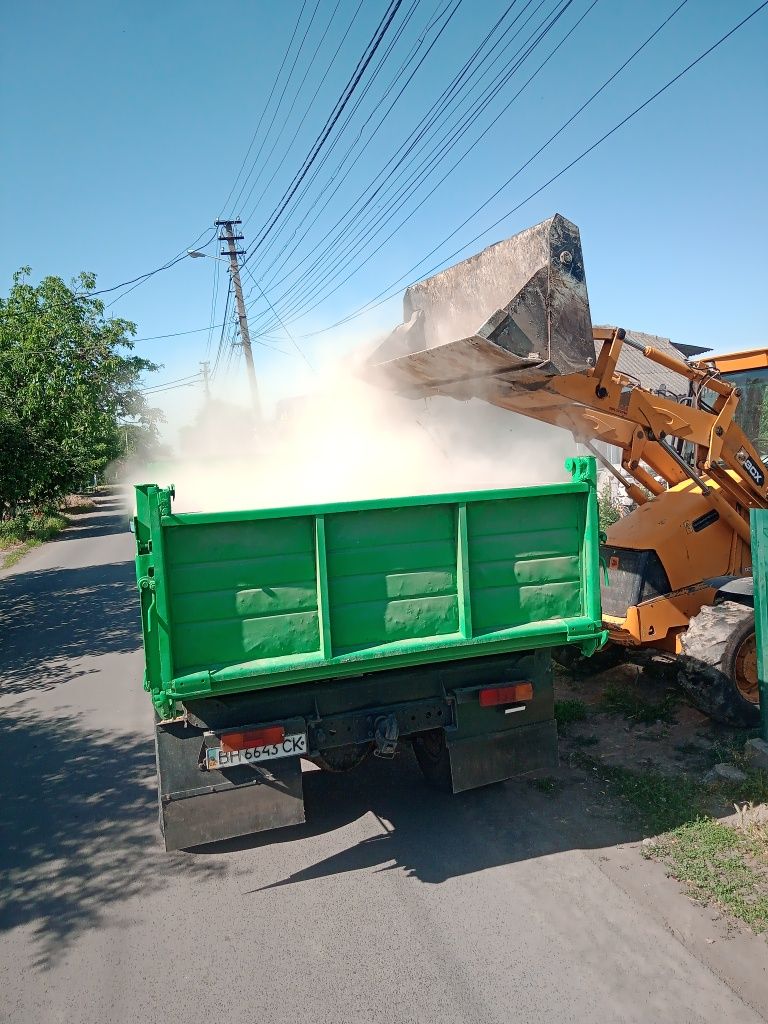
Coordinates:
(233,252)
(205,370)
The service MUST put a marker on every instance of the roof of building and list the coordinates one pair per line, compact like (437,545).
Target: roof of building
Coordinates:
(647,373)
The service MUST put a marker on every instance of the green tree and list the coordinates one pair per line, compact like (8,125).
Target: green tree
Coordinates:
(67,380)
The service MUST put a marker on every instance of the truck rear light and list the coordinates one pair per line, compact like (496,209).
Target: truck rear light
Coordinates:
(514,694)
(252,738)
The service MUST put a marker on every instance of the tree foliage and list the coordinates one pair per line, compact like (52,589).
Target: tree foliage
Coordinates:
(69,385)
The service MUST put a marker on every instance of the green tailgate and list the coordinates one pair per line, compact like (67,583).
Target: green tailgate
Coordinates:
(232,602)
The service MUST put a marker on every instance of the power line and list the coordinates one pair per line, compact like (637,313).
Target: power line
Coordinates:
(330,123)
(351,255)
(349,116)
(166,383)
(220,349)
(175,334)
(214,296)
(427,119)
(386,176)
(387,294)
(450,7)
(342,255)
(331,64)
(151,273)
(201,330)
(175,387)
(261,118)
(277,317)
(287,116)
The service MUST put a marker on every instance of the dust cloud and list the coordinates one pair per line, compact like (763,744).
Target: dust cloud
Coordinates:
(349,440)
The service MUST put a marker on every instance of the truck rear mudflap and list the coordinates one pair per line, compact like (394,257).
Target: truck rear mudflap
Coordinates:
(229,767)
(200,806)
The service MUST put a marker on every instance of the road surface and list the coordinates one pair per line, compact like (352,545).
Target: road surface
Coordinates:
(391,904)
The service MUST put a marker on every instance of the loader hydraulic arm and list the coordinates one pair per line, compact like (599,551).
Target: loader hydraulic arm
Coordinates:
(722,455)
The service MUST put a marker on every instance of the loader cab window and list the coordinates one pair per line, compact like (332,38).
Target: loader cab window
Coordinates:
(752,413)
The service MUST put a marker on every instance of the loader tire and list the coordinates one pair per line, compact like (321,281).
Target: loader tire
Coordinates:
(718,664)
(431,752)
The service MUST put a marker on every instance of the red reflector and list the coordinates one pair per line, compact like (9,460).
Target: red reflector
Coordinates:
(252,738)
(506,695)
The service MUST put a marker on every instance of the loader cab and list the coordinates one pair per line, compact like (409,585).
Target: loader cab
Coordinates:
(749,372)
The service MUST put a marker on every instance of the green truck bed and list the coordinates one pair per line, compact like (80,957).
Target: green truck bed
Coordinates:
(329,633)
(239,601)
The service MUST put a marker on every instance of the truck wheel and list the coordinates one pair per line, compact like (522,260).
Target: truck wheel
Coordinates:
(570,658)
(431,752)
(342,759)
(718,664)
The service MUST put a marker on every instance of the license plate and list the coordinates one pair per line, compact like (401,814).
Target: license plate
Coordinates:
(289,746)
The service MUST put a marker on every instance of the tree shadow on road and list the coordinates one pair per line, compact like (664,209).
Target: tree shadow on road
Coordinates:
(50,616)
(95,524)
(79,827)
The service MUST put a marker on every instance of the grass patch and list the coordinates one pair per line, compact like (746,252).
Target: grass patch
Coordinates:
(715,862)
(568,712)
(618,700)
(658,802)
(722,864)
(26,531)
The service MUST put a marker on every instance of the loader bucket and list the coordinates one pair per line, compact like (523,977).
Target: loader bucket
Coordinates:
(510,317)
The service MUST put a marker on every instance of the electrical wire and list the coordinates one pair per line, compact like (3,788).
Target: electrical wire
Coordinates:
(224,325)
(449,9)
(387,294)
(360,97)
(287,117)
(261,118)
(291,338)
(176,387)
(452,94)
(214,297)
(166,383)
(318,276)
(136,281)
(352,254)
(445,97)
(317,146)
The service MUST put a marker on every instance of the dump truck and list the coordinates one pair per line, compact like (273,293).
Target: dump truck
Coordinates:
(274,638)
(512,326)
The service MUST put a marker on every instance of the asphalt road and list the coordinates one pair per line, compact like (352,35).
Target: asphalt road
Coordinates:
(391,904)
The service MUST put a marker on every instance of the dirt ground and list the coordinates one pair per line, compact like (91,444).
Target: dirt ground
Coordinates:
(621,728)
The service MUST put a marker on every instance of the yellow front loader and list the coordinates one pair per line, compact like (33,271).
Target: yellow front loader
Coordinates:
(512,326)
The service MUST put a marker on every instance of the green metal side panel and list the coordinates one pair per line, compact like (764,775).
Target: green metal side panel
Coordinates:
(237,601)
(759,525)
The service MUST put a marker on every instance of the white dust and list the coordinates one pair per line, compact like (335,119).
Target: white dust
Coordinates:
(349,440)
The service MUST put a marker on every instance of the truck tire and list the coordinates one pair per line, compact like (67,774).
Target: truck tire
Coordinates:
(342,759)
(431,752)
(718,664)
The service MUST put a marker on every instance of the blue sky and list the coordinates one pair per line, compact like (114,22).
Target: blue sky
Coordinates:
(125,126)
